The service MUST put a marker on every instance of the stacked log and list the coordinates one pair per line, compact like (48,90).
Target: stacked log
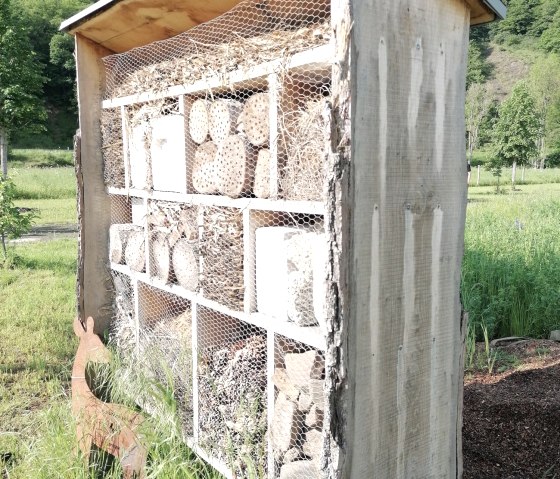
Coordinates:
(236,165)
(174,244)
(262,174)
(222,119)
(296,429)
(199,121)
(135,254)
(256,119)
(118,239)
(227,163)
(204,169)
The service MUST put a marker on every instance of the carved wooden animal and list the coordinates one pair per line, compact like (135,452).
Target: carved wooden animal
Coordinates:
(111,427)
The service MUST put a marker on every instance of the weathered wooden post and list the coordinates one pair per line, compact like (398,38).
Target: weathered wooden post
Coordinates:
(231,152)
(397,212)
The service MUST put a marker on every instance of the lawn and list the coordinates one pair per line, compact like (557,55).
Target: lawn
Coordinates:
(511,268)
(36,345)
(510,276)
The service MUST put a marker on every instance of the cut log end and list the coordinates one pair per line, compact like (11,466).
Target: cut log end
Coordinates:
(255,118)
(198,121)
(160,256)
(262,174)
(135,256)
(222,119)
(204,174)
(185,265)
(236,165)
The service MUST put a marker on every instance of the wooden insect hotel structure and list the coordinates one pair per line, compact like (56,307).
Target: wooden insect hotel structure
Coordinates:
(272,204)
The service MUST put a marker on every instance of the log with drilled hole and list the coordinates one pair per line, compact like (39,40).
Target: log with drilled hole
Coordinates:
(204,174)
(160,264)
(185,264)
(222,119)
(198,121)
(261,189)
(134,254)
(118,238)
(255,119)
(236,166)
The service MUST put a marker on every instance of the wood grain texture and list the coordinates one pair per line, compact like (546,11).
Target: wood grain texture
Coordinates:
(96,209)
(408,201)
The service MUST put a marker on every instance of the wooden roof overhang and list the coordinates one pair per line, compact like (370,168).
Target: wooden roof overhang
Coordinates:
(120,25)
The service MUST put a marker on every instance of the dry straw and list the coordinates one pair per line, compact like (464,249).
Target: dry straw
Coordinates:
(303,135)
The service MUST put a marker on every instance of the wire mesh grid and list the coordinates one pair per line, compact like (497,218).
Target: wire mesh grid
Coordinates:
(297,421)
(184,229)
(232,384)
(165,350)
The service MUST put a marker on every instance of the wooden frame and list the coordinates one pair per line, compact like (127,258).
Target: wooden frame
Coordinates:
(393,216)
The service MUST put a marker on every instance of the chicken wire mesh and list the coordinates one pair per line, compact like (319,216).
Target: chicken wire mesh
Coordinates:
(299,404)
(201,243)
(232,383)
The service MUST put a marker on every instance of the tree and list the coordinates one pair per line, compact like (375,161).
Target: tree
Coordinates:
(518,129)
(477,68)
(518,22)
(550,39)
(544,84)
(21,82)
(478,104)
(13,222)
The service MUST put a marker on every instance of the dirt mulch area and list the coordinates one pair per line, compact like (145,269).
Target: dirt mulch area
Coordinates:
(511,420)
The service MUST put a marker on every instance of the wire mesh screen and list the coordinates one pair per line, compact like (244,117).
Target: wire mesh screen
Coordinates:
(215,158)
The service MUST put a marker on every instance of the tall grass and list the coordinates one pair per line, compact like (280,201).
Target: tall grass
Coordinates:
(511,268)
(44,183)
(40,158)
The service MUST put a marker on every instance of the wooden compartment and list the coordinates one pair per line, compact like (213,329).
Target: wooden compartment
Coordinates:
(232,385)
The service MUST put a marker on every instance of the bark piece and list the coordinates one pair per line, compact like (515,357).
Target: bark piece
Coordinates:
(301,367)
(204,173)
(284,385)
(135,255)
(313,444)
(285,425)
(198,121)
(235,164)
(314,417)
(261,188)
(118,238)
(160,256)
(185,264)
(292,455)
(304,402)
(255,119)
(317,393)
(299,470)
(222,119)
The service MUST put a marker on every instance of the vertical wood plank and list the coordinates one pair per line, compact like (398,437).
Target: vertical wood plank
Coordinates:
(273,86)
(403,244)
(194,347)
(96,204)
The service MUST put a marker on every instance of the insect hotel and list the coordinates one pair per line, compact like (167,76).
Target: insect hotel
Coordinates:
(272,203)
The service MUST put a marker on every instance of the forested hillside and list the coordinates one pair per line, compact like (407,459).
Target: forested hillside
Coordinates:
(514,74)
(38,22)
(523,48)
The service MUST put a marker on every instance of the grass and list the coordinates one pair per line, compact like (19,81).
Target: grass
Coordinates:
(44,183)
(532,177)
(39,158)
(37,345)
(57,211)
(36,306)
(511,267)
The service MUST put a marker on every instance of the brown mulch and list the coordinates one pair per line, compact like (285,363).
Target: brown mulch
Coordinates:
(511,420)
